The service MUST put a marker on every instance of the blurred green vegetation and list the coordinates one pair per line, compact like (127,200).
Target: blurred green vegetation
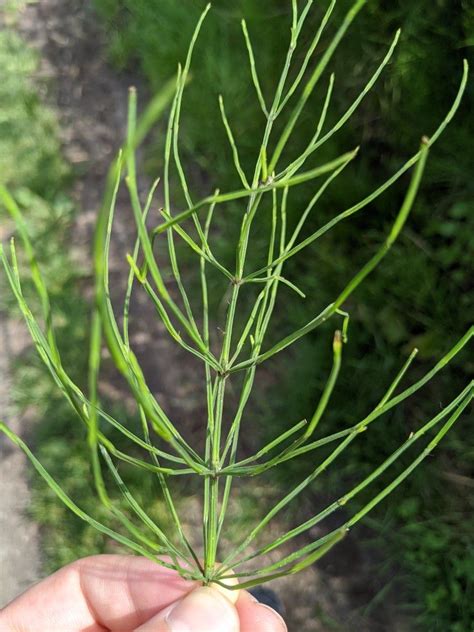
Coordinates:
(29,145)
(422,293)
(32,167)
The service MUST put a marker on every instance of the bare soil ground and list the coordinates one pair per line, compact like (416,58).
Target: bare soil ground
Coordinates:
(90,98)
(19,544)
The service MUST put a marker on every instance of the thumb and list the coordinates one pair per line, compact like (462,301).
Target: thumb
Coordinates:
(205,609)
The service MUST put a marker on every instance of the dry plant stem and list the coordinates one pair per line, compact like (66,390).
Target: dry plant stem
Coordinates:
(237,350)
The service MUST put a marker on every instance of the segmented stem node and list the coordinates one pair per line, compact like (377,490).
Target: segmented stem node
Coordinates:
(337,342)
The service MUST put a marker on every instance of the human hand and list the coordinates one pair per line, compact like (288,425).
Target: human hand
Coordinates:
(119,593)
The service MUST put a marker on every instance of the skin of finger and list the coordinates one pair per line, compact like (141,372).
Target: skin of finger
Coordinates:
(205,609)
(256,617)
(208,610)
(115,593)
(110,592)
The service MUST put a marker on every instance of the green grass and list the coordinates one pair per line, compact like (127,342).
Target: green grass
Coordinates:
(29,145)
(31,165)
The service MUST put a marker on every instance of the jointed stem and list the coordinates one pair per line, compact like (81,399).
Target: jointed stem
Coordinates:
(220,453)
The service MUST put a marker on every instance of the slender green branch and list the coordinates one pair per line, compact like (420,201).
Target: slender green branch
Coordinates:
(309,54)
(254,191)
(360,276)
(460,403)
(131,275)
(14,211)
(329,387)
(235,151)
(315,143)
(253,69)
(313,81)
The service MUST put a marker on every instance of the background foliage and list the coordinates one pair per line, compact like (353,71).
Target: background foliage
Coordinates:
(421,295)
(29,145)
(32,167)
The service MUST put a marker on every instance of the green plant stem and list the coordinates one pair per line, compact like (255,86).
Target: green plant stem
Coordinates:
(360,276)
(314,79)
(81,514)
(459,404)
(131,274)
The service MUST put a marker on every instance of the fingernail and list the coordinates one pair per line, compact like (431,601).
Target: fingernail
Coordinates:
(203,610)
(276,615)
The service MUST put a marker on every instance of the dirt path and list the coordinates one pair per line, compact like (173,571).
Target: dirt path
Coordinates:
(20,561)
(19,545)
(90,99)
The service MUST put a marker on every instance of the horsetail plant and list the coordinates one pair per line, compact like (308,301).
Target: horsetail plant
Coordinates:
(240,349)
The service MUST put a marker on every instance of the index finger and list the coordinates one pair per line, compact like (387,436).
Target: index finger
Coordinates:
(103,592)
